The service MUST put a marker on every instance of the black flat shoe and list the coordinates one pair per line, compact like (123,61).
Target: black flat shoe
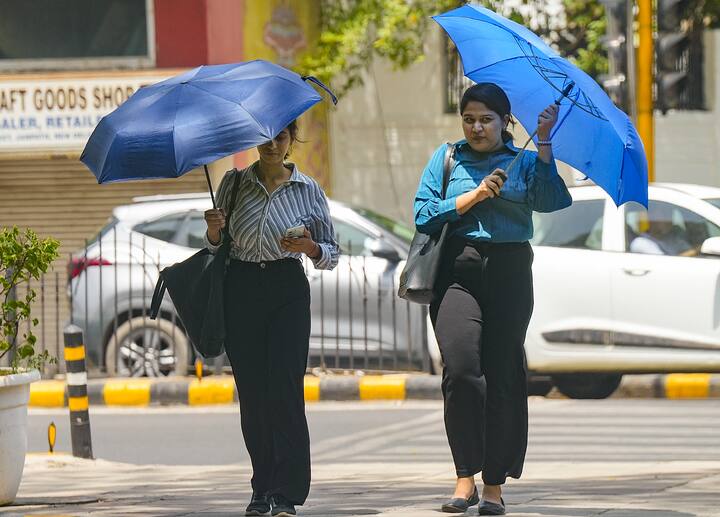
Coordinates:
(281,507)
(460,505)
(488,508)
(259,505)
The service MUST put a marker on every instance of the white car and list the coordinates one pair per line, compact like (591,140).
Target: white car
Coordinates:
(358,321)
(625,290)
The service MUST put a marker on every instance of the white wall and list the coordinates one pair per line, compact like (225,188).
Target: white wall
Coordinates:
(384,132)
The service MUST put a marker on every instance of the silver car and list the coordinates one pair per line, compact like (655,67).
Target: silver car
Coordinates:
(357,319)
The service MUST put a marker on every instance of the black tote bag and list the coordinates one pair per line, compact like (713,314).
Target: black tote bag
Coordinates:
(197,289)
(417,280)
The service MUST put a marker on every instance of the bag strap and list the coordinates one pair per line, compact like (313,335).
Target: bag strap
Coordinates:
(449,164)
(157,297)
(233,196)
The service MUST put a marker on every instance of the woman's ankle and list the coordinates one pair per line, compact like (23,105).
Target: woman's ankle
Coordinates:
(492,492)
(465,486)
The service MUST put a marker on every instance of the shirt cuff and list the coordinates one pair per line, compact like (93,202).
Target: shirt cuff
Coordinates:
(323,261)
(212,248)
(545,171)
(447,210)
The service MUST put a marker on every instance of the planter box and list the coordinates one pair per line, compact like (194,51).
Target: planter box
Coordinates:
(14,396)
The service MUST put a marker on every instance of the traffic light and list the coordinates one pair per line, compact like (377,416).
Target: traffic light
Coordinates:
(615,81)
(671,54)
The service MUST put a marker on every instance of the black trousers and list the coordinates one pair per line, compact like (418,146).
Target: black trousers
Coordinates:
(267,319)
(480,316)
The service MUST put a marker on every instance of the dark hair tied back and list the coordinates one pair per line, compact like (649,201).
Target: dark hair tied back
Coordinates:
(493,97)
(293,130)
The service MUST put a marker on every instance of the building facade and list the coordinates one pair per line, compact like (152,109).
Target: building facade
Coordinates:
(65,64)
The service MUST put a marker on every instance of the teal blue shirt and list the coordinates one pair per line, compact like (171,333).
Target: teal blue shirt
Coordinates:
(532,185)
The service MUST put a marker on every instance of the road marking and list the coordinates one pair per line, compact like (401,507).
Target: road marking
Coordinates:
(334,447)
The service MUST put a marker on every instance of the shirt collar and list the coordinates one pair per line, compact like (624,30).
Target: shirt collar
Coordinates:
(508,145)
(295,176)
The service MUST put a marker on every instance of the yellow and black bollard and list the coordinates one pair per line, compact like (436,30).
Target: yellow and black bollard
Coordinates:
(77,392)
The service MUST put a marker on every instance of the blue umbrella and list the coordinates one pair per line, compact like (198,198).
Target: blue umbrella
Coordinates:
(166,129)
(592,134)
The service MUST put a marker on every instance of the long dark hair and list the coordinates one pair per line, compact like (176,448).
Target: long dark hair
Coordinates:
(492,96)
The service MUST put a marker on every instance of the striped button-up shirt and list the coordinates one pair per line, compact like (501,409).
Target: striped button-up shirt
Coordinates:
(259,220)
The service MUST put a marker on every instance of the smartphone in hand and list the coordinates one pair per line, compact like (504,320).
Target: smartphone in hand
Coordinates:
(295,232)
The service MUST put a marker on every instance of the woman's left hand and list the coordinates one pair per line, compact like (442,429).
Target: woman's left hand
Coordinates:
(546,121)
(304,244)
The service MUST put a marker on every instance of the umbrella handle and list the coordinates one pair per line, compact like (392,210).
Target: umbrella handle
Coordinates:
(207,177)
(566,91)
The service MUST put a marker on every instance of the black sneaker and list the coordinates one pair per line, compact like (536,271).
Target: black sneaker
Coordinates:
(259,505)
(281,507)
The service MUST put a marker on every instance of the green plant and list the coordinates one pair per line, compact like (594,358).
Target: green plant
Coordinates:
(22,256)
(353,32)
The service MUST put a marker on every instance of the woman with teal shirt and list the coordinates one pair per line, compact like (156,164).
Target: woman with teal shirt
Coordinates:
(484,293)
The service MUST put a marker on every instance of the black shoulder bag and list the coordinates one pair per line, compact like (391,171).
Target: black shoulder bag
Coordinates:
(417,281)
(197,287)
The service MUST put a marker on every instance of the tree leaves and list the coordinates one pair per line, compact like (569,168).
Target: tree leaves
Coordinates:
(354,31)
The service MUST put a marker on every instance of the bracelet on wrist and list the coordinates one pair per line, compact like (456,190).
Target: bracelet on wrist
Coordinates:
(544,142)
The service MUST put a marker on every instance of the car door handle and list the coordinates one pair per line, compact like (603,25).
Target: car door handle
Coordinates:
(636,272)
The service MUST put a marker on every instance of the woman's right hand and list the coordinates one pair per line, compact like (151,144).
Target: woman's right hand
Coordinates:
(215,219)
(490,185)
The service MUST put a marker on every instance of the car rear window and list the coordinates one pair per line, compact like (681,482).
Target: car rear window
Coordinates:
(395,227)
(163,228)
(714,201)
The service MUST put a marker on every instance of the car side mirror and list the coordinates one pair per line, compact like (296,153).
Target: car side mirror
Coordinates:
(381,249)
(711,246)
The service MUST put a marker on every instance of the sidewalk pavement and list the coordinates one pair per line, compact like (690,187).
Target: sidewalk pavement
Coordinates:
(58,485)
(221,389)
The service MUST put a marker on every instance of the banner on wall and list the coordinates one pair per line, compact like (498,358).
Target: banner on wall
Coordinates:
(60,113)
(281,31)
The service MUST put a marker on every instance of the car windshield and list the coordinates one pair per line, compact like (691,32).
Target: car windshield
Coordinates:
(714,201)
(396,228)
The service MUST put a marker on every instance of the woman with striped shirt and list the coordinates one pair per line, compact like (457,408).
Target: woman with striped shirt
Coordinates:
(267,313)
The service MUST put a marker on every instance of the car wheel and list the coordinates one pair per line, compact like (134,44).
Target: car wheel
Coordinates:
(147,348)
(539,386)
(587,385)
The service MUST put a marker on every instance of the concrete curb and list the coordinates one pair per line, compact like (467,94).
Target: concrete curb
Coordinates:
(221,389)
(670,386)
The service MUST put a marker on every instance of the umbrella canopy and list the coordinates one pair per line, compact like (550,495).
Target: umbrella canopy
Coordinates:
(195,118)
(592,134)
